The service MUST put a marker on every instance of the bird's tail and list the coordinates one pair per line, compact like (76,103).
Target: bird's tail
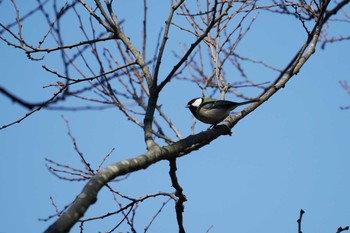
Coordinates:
(247,102)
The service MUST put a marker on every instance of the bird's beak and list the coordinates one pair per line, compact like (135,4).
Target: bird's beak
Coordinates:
(187,106)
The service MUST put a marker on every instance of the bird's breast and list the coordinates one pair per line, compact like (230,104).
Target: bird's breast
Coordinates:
(212,116)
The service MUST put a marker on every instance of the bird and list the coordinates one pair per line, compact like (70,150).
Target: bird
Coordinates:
(212,111)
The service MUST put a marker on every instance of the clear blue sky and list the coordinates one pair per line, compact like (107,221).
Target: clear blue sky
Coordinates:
(291,153)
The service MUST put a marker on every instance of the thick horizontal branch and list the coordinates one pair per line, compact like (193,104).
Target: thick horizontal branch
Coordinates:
(88,196)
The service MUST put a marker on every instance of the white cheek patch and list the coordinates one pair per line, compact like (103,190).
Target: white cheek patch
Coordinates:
(197,102)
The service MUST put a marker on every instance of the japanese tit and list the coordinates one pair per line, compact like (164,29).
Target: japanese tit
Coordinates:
(212,111)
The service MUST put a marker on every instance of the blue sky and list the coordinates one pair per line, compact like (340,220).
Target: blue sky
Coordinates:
(291,153)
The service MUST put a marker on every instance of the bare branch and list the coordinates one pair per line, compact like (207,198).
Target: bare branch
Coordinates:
(341,229)
(165,37)
(35,110)
(179,205)
(155,216)
(299,220)
(117,74)
(70,46)
(195,44)
(104,24)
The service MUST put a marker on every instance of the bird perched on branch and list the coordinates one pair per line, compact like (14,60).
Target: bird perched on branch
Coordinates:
(213,111)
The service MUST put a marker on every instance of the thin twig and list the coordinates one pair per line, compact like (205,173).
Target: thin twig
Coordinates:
(299,220)
(179,205)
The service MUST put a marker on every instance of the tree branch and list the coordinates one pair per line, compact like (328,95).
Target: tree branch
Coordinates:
(179,205)
(18,100)
(194,45)
(88,196)
(299,220)
(340,229)
(165,38)
(36,109)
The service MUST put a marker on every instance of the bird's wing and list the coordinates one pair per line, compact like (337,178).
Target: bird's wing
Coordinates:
(217,104)
(222,104)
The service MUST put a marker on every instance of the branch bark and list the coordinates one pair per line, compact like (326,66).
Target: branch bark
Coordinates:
(88,196)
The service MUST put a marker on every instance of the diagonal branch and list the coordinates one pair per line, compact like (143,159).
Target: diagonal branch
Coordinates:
(195,44)
(69,46)
(18,100)
(152,101)
(335,10)
(88,195)
(36,109)
(291,69)
(340,229)
(165,37)
(92,12)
